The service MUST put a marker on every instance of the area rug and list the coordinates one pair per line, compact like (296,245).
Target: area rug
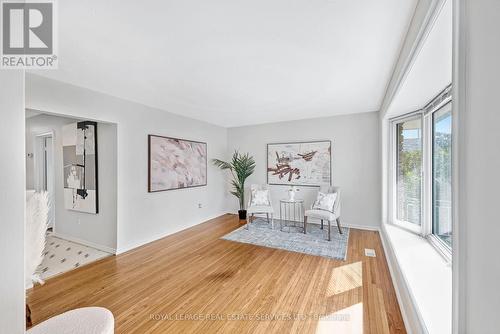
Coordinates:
(314,242)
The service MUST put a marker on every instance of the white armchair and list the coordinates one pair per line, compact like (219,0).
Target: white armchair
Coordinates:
(328,215)
(86,320)
(259,205)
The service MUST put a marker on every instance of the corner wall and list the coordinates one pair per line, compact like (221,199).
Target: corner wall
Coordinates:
(476,263)
(142,217)
(355,160)
(12,202)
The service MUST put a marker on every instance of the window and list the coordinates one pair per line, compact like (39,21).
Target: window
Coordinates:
(441,175)
(409,171)
(422,173)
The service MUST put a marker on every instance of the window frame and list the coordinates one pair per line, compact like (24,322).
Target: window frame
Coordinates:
(394,163)
(443,100)
(442,246)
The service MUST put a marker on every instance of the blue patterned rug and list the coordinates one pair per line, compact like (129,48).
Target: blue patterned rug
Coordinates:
(292,239)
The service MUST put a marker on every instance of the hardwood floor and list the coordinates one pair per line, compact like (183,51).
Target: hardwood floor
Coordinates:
(194,282)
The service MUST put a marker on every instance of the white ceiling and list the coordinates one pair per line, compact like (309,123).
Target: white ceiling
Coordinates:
(235,62)
(432,70)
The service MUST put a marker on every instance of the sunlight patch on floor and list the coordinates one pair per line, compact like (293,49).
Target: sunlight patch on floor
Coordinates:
(345,278)
(346,321)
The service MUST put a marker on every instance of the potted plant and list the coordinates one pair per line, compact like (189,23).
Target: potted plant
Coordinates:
(241,167)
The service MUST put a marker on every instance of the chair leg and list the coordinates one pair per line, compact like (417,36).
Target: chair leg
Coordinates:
(305,224)
(267,215)
(321,223)
(272,221)
(248,221)
(329,231)
(338,225)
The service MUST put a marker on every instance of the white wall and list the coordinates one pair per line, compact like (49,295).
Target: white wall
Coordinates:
(30,161)
(423,14)
(12,202)
(355,160)
(94,230)
(142,217)
(478,70)
(431,70)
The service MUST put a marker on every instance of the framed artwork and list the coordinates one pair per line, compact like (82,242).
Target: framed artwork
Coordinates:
(79,142)
(300,164)
(176,163)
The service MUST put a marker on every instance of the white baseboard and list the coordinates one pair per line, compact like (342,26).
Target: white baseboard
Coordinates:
(347,224)
(342,223)
(85,243)
(411,316)
(361,227)
(131,246)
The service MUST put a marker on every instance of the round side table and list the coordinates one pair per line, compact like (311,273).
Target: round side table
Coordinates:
(291,213)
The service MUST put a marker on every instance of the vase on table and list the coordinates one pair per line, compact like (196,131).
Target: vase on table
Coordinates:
(291,193)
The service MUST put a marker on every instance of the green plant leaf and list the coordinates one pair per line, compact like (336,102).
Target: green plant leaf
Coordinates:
(241,167)
(221,164)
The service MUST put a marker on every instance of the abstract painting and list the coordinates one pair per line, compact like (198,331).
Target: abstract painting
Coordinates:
(304,164)
(80,166)
(176,163)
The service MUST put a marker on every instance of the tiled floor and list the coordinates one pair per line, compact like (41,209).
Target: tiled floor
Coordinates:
(62,255)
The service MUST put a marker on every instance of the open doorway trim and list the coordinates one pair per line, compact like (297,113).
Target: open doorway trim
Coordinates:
(42,177)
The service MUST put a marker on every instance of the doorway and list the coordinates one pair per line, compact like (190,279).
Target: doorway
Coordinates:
(74,238)
(44,171)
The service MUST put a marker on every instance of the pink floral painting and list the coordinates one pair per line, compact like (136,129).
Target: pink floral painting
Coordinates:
(176,163)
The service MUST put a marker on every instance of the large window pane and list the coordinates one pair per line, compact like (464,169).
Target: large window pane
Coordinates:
(441,175)
(409,171)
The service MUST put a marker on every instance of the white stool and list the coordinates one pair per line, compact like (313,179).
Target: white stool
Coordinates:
(86,320)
